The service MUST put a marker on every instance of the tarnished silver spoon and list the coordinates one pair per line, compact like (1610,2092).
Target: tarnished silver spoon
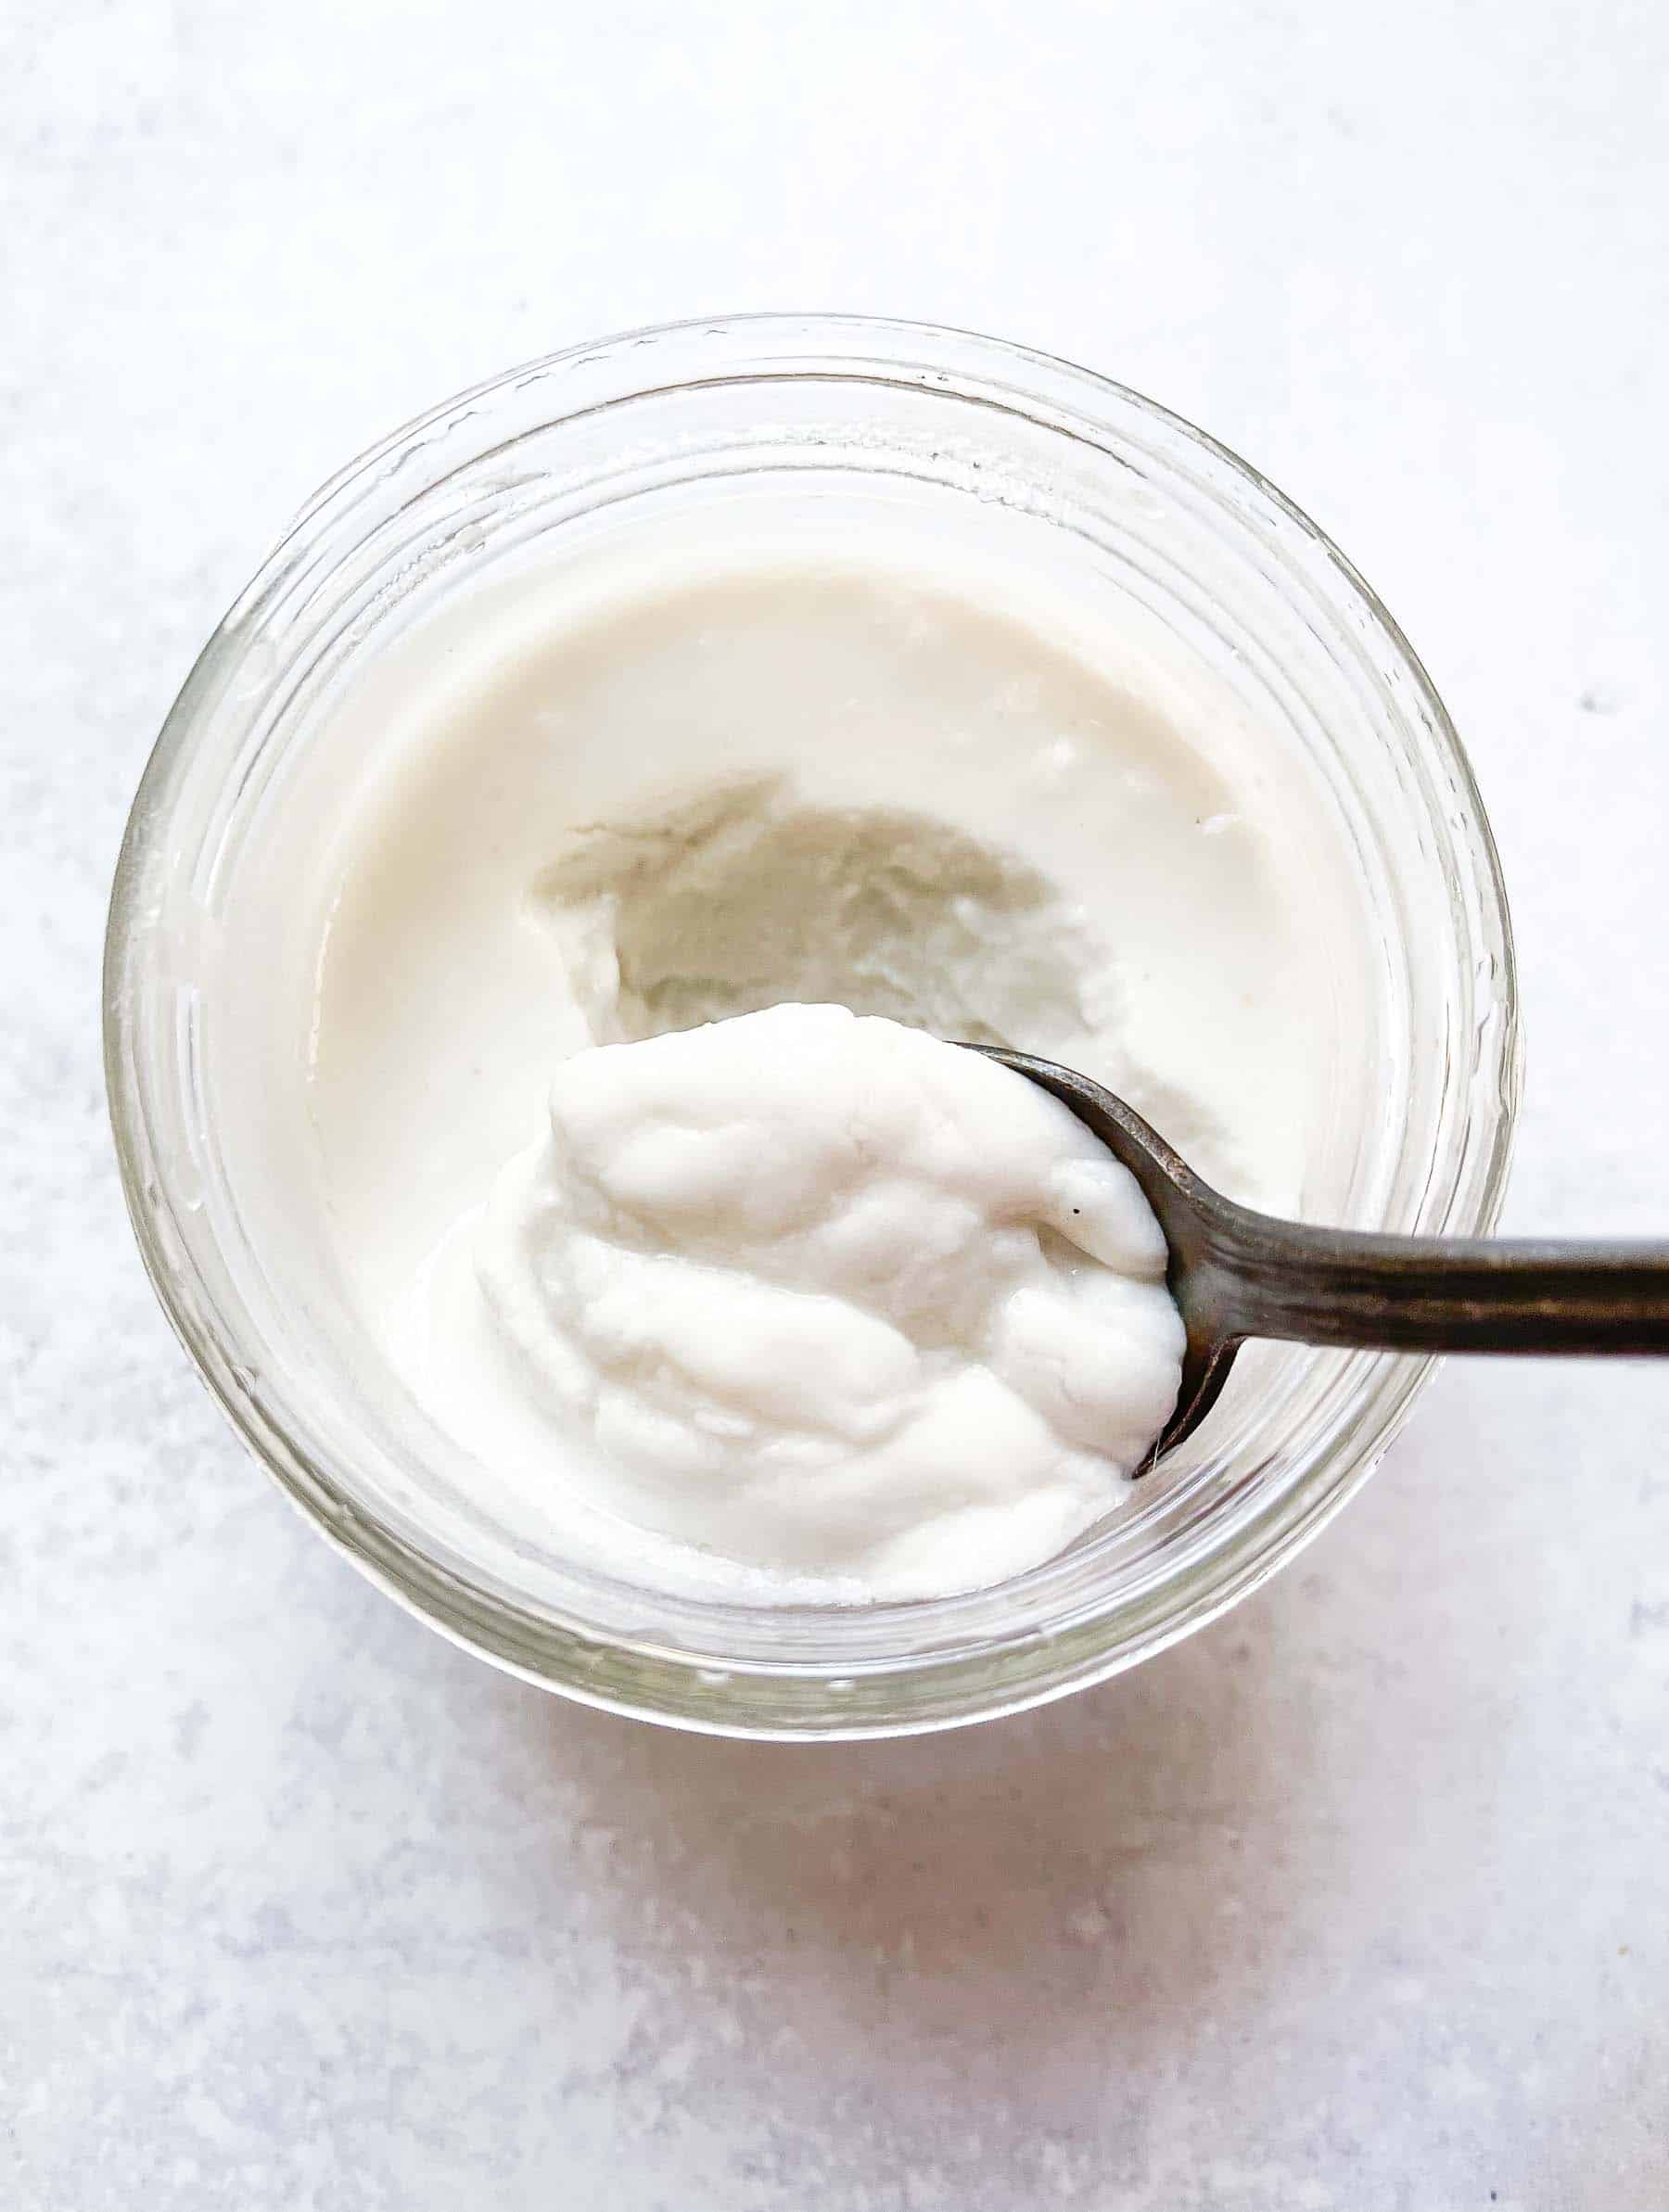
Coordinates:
(1236,1274)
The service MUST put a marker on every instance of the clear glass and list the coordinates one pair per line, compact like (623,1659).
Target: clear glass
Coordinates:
(1146,511)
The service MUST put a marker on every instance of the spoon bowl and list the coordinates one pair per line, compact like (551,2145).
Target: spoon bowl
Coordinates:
(1235,1273)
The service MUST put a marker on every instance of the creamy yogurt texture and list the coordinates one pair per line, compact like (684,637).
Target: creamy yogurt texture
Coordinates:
(820,1293)
(658,793)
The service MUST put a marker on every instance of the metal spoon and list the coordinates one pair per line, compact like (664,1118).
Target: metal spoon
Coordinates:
(1235,1274)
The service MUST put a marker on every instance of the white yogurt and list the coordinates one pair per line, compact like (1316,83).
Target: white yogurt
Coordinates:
(664,792)
(815,1293)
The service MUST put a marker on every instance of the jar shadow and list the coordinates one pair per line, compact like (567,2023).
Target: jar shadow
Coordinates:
(1078,1877)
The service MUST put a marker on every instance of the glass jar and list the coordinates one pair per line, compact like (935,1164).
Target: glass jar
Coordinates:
(987,437)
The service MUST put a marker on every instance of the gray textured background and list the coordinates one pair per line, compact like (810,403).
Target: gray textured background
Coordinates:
(1357,1900)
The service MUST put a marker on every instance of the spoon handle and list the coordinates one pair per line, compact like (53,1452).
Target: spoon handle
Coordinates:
(1263,1277)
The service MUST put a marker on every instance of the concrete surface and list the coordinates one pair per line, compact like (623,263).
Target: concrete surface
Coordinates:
(1355,1902)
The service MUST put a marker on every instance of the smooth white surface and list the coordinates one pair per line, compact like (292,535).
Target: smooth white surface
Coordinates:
(1356,1900)
(737,758)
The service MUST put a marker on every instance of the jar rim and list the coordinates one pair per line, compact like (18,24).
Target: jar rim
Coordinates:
(946,1683)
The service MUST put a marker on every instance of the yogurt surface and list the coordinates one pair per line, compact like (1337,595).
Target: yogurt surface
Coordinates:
(683,788)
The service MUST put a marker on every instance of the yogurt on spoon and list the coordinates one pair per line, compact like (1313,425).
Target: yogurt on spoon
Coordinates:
(819,1293)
